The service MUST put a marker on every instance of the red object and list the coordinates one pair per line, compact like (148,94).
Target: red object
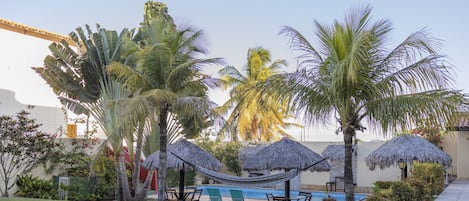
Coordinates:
(143,171)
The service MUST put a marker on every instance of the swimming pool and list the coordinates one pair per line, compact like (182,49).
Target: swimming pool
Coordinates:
(259,193)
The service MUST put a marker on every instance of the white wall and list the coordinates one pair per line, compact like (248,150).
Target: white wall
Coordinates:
(462,159)
(51,118)
(365,177)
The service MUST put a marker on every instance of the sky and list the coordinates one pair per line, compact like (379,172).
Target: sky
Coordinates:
(231,28)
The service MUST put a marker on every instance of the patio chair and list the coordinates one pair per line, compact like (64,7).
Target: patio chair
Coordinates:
(307,195)
(236,195)
(170,194)
(214,194)
(270,196)
(197,194)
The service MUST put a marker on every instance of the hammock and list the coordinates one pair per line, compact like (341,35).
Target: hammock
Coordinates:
(258,181)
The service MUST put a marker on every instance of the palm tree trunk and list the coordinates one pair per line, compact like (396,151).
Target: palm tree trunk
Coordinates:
(123,179)
(348,173)
(142,194)
(138,153)
(163,153)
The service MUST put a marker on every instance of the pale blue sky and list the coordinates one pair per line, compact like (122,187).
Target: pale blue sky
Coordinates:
(231,27)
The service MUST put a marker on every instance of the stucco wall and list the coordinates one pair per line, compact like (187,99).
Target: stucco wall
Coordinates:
(462,158)
(450,146)
(51,118)
(365,177)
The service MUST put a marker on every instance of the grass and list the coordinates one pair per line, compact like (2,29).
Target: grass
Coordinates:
(21,199)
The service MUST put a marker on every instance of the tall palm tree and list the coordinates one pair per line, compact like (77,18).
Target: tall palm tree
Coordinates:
(352,76)
(79,79)
(254,114)
(167,73)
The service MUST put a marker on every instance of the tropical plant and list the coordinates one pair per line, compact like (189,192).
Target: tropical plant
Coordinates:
(352,76)
(166,73)
(22,147)
(34,187)
(254,113)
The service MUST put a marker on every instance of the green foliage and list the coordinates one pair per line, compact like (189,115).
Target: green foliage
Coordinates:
(381,190)
(227,153)
(24,145)
(382,185)
(33,187)
(431,176)
(172,178)
(402,191)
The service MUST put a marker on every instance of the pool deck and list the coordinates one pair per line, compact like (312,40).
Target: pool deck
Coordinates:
(458,190)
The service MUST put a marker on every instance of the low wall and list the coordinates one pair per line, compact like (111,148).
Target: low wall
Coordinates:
(365,177)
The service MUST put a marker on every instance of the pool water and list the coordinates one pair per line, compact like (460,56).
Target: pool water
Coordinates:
(259,193)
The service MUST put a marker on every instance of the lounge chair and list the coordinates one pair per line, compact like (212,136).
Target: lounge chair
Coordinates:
(196,195)
(307,195)
(236,195)
(214,194)
(270,196)
(170,194)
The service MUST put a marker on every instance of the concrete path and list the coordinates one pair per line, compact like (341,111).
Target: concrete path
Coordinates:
(458,190)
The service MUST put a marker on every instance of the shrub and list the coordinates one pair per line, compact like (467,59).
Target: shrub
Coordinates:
(432,174)
(34,187)
(422,189)
(402,191)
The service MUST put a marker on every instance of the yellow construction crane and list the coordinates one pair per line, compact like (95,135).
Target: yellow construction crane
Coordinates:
(35,32)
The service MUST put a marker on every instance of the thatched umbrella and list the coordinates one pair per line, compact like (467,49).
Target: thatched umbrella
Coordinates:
(335,153)
(188,152)
(286,154)
(407,148)
(249,150)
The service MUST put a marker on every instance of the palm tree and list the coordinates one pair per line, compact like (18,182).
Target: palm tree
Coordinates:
(253,113)
(353,77)
(79,79)
(167,75)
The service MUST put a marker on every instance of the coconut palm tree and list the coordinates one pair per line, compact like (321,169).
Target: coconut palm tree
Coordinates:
(254,114)
(167,73)
(353,77)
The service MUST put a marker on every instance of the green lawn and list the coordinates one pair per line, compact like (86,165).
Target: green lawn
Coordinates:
(20,199)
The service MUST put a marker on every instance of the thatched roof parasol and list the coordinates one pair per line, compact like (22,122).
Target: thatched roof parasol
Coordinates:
(408,148)
(187,151)
(286,154)
(335,152)
(249,150)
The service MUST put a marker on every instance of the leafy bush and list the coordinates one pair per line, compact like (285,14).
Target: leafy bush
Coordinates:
(402,191)
(422,189)
(34,187)
(378,185)
(432,174)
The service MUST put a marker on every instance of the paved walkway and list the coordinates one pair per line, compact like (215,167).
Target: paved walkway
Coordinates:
(458,190)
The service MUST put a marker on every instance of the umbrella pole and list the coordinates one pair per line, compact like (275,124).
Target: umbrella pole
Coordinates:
(287,188)
(181,183)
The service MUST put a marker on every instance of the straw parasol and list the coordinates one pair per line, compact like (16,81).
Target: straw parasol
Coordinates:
(335,152)
(286,154)
(249,150)
(188,152)
(407,148)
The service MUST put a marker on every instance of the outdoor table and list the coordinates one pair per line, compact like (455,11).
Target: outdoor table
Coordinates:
(187,193)
(283,198)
